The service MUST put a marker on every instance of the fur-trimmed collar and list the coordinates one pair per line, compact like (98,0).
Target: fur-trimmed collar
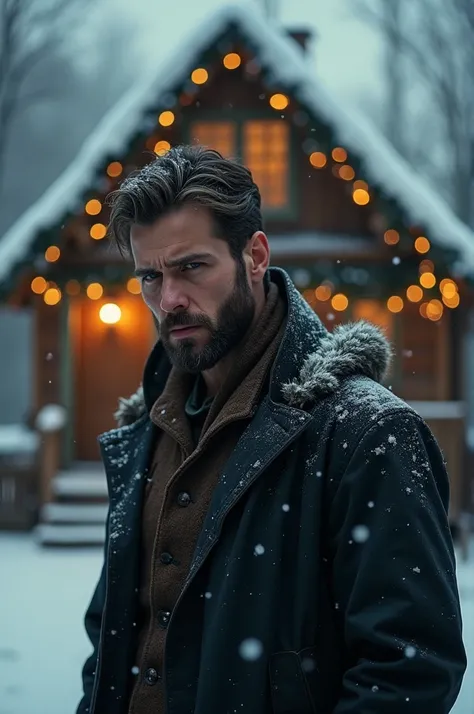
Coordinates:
(357,348)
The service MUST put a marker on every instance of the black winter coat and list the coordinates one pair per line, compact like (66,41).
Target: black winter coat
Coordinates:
(323,581)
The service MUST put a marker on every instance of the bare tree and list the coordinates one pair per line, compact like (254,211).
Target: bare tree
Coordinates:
(430,55)
(31,32)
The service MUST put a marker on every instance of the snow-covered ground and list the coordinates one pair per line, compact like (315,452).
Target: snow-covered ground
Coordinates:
(43,595)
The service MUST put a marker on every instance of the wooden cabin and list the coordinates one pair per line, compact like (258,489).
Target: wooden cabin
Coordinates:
(360,234)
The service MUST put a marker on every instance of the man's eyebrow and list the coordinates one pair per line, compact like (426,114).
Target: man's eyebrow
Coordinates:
(190,258)
(174,263)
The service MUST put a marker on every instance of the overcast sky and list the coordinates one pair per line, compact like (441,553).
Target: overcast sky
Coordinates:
(346,54)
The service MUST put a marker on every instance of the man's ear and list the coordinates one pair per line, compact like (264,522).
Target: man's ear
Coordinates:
(258,252)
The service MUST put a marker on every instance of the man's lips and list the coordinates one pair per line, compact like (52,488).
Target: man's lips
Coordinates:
(183,330)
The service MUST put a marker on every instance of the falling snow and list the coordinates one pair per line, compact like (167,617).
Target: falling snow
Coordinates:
(360,533)
(259,549)
(251,649)
(285,507)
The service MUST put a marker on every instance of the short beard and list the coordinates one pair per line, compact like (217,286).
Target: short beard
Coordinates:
(233,321)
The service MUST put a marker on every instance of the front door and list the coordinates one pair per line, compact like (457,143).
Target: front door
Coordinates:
(108,361)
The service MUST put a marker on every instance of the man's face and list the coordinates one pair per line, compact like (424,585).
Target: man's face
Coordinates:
(200,296)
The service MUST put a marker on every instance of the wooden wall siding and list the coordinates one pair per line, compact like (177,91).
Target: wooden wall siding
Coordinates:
(47,362)
(426,357)
(108,363)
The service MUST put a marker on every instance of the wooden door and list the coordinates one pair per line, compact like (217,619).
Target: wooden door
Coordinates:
(108,362)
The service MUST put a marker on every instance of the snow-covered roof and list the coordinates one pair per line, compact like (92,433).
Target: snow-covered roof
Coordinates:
(280,54)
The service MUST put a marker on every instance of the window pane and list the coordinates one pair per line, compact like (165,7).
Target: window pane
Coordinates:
(219,135)
(266,153)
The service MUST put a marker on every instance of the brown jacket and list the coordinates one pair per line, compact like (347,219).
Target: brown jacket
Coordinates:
(181,482)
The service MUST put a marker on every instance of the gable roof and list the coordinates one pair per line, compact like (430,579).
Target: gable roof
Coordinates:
(282,56)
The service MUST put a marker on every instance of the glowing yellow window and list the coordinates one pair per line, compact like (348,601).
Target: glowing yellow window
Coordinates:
(266,152)
(219,135)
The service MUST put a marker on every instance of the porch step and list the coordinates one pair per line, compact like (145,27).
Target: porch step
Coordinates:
(49,534)
(80,485)
(79,513)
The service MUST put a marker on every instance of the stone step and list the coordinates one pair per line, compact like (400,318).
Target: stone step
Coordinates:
(78,513)
(53,534)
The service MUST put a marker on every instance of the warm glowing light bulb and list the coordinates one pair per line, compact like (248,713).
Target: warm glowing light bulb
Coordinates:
(200,75)
(232,60)
(318,159)
(434,310)
(133,286)
(346,172)
(161,148)
(391,237)
(451,302)
(339,302)
(98,231)
(52,254)
(38,285)
(110,313)
(52,296)
(114,169)
(279,101)
(323,292)
(94,291)
(395,303)
(414,293)
(422,244)
(166,118)
(339,154)
(448,288)
(428,280)
(426,266)
(361,197)
(93,207)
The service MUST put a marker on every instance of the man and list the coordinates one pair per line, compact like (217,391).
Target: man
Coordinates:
(277,539)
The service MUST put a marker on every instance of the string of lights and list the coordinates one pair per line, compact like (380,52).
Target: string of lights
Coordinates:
(431,293)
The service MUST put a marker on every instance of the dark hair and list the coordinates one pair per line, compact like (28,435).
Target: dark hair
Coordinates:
(189,174)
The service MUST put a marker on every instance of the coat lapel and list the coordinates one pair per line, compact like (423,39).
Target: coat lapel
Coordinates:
(273,428)
(126,454)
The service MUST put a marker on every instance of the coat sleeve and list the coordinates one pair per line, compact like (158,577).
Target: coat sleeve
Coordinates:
(393,574)
(93,624)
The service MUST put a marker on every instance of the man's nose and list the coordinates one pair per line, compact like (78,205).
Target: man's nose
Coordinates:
(173,297)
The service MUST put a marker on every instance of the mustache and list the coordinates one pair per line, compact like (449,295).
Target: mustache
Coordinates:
(182,319)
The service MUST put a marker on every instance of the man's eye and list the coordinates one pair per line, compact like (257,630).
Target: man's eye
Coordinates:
(149,278)
(191,266)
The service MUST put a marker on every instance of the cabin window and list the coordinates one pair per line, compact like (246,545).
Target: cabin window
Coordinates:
(266,150)
(218,135)
(263,145)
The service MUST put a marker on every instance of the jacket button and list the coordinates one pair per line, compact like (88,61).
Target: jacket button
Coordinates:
(163,618)
(184,499)
(166,558)
(151,676)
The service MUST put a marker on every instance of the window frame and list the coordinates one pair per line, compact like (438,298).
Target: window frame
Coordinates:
(239,118)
